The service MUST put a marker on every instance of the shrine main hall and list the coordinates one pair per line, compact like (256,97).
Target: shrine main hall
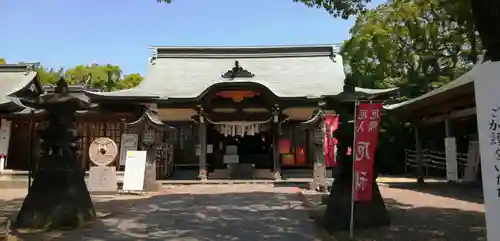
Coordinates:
(240,106)
(237,112)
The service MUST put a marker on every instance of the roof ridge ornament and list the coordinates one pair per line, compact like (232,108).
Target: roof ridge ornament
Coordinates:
(237,72)
(152,59)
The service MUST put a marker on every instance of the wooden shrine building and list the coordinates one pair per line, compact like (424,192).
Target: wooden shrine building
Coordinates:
(448,111)
(238,106)
(15,79)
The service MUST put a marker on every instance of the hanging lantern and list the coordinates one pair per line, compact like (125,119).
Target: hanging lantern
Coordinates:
(148,136)
(317,133)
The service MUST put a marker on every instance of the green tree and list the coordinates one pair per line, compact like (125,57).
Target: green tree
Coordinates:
(49,76)
(413,45)
(106,77)
(129,81)
(338,8)
(2,61)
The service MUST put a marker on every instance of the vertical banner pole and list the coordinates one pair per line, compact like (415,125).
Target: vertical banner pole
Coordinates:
(353,188)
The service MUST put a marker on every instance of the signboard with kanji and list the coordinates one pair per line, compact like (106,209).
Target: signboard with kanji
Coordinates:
(365,143)
(486,86)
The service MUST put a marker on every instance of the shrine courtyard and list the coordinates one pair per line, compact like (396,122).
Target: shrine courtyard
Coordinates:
(436,211)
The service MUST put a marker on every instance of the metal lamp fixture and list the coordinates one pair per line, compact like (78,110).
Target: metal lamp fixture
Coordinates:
(148,136)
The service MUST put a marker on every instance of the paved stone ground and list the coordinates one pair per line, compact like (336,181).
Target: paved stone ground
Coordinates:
(201,212)
(436,211)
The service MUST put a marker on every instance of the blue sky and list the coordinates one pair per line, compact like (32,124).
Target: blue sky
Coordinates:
(64,33)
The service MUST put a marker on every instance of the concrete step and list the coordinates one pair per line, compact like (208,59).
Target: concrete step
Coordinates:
(225,174)
(14,184)
(219,174)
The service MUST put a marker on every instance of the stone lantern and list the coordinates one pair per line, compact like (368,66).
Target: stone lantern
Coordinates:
(151,132)
(315,125)
(58,197)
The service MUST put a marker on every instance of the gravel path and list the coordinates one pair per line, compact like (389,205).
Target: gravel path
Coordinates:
(437,211)
(204,212)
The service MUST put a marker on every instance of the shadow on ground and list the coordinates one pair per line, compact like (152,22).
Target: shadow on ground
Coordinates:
(464,192)
(9,208)
(226,216)
(421,224)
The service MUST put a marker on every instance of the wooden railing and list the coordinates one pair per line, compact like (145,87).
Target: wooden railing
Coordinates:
(433,160)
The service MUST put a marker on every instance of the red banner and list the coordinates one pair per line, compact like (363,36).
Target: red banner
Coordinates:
(330,124)
(284,146)
(366,137)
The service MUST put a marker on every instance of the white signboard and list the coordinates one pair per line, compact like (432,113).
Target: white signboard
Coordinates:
(135,169)
(487,83)
(102,179)
(450,146)
(128,143)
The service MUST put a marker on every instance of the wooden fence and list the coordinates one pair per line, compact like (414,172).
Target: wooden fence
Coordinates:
(433,162)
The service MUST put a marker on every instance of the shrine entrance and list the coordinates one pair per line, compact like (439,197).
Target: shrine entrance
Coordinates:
(241,128)
(243,148)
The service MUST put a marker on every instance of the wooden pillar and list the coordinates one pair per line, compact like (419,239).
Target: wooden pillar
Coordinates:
(276,153)
(448,127)
(123,125)
(276,136)
(203,149)
(419,155)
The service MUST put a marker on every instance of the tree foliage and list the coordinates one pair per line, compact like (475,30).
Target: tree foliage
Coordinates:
(338,8)
(414,45)
(105,77)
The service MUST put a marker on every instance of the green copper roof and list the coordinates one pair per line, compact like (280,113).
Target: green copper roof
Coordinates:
(288,71)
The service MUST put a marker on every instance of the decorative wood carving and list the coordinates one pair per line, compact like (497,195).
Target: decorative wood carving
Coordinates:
(237,72)
(237,95)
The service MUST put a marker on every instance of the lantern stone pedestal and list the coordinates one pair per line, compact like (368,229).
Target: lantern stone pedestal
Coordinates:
(150,183)
(58,197)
